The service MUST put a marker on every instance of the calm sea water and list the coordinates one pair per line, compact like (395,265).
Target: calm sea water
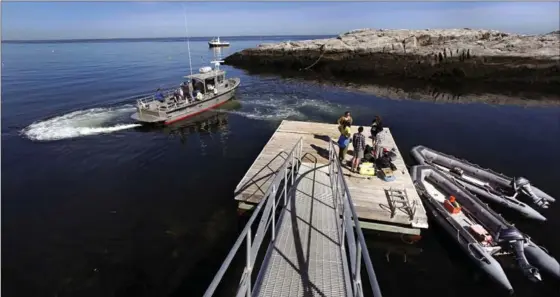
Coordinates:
(94,206)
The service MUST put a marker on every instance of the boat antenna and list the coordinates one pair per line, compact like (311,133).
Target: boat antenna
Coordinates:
(217,58)
(187,32)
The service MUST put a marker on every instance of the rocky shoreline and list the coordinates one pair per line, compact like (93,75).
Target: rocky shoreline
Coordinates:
(438,96)
(455,61)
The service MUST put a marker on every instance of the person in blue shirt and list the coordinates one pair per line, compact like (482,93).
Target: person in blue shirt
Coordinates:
(159,95)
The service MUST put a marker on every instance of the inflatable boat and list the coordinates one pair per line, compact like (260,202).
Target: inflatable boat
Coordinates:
(480,232)
(486,183)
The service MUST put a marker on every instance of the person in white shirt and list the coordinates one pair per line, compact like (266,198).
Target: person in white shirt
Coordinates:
(181,95)
(199,95)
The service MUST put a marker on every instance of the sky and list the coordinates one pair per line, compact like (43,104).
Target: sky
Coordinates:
(85,20)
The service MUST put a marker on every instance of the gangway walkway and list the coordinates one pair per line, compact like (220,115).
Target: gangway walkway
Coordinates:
(316,246)
(306,257)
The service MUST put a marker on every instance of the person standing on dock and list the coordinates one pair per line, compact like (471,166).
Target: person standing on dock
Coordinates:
(344,140)
(345,118)
(376,127)
(359,143)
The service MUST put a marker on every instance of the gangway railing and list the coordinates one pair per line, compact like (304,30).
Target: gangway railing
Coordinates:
(352,240)
(351,236)
(243,185)
(268,205)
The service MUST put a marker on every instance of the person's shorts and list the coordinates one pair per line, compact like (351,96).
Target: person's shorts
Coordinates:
(359,154)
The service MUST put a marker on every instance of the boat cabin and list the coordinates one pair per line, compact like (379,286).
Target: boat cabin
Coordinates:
(207,81)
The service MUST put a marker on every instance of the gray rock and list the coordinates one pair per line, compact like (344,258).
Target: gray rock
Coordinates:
(458,60)
(426,42)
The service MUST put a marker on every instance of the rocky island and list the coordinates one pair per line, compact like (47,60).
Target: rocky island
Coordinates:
(454,61)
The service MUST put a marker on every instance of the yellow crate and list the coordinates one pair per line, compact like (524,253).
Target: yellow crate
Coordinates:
(367,168)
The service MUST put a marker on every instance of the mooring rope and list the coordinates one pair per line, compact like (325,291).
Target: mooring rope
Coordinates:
(318,59)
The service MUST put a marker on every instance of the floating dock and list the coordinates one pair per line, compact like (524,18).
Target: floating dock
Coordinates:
(393,206)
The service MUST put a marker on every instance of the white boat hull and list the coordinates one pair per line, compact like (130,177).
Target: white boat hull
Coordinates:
(218,44)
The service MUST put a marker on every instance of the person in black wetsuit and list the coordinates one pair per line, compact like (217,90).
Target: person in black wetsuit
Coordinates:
(376,127)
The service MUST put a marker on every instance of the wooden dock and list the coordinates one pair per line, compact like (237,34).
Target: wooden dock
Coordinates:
(371,195)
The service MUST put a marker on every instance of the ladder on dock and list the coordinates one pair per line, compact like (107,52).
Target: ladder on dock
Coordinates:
(398,199)
(315,246)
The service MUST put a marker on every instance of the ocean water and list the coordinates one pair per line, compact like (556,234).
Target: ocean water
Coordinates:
(93,205)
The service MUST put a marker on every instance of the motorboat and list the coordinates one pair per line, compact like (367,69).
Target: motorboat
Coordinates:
(211,120)
(216,42)
(486,183)
(202,91)
(481,233)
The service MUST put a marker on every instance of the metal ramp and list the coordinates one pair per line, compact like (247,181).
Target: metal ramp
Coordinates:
(315,244)
(306,257)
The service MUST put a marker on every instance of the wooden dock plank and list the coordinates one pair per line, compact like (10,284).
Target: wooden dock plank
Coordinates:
(368,194)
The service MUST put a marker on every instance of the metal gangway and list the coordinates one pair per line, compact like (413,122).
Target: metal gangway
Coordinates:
(315,243)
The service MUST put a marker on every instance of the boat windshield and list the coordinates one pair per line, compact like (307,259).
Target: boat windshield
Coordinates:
(207,84)
(198,85)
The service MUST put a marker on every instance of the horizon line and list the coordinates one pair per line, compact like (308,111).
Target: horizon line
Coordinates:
(154,38)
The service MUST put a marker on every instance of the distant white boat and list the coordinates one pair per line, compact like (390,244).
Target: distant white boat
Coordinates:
(215,42)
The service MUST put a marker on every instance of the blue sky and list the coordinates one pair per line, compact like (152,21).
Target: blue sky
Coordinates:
(68,20)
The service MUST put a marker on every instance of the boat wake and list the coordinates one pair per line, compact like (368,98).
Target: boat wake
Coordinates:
(80,123)
(290,107)
(108,120)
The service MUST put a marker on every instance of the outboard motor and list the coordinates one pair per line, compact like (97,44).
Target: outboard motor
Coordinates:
(457,171)
(510,234)
(515,241)
(522,184)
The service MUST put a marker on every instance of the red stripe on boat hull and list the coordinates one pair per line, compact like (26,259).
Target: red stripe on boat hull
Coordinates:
(193,114)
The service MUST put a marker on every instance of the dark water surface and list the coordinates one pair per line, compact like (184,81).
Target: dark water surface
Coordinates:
(94,206)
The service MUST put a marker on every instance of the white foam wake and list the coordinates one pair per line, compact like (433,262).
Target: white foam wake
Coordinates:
(290,107)
(79,123)
(260,114)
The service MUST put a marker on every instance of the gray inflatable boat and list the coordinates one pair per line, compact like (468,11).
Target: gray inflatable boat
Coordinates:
(465,227)
(486,183)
